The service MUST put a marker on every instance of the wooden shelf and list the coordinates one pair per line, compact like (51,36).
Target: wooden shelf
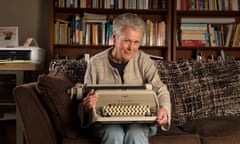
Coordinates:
(110,11)
(20,67)
(208,13)
(171,15)
(101,46)
(73,50)
(210,48)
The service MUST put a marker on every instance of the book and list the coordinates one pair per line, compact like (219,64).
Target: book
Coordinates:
(162,4)
(217,35)
(194,36)
(207,20)
(62,21)
(88,34)
(147,40)
(103,34)
(229,32)
(193,26)
(56,32)
(61,28)
(161,31)
(184,4)
(223,55)
(236,38)
(94,34)
(193,32)
(77,29)
(94,16)
(235,4)
(109,40)
(197,43)
(212,37)
(63,33)
(151,33)
(179,5)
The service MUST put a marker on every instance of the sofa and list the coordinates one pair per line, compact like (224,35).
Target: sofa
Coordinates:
(205,98)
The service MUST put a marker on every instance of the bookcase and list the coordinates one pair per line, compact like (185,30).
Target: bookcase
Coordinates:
(73,35)
(219,39)
(206,29)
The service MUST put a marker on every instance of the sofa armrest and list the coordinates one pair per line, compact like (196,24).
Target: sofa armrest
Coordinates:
(36,124)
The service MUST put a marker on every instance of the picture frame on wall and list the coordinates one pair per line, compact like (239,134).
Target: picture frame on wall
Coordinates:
(8,36)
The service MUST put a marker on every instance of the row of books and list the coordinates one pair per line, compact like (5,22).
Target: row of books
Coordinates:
(77,30)
(214,5)
(95,29)
(155,34)
(209,35)
(113,4)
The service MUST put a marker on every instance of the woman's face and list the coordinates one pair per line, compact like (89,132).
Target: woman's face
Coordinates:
(127,44)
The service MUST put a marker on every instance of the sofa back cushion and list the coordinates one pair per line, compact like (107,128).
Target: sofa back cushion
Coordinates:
(62,110)
(74,69)
(198,89)
(201,89)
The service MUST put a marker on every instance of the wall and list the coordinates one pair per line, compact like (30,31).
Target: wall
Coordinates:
(32,18)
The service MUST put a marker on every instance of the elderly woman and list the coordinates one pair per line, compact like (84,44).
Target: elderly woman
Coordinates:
(124,63)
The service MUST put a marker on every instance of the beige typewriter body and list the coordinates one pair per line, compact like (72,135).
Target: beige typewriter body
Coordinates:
(122,104)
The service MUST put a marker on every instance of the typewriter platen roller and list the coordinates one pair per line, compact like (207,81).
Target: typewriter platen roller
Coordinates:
(122,103)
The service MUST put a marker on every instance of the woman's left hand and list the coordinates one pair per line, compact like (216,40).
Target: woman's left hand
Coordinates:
(162,116)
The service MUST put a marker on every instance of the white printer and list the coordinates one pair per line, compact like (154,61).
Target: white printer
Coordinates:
(33,53)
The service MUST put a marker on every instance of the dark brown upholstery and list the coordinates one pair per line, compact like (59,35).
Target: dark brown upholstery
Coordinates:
(214,130)
(37,126)
(63,112)
(175,136)
(212,119)
(176,139)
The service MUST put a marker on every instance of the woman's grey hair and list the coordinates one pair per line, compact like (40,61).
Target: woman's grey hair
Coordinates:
(128,20)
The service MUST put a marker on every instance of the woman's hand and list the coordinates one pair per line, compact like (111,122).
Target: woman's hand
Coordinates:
(90,100)
(162,116)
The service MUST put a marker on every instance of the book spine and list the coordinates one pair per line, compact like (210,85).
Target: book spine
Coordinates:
(236,38)
(77,29)
(197,43)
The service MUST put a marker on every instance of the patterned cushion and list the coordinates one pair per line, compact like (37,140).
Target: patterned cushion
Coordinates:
(201,89)
(74,69)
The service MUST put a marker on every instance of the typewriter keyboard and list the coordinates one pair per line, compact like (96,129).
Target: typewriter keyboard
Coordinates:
(112,110)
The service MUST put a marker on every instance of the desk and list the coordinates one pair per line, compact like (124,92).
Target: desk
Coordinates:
(18,69)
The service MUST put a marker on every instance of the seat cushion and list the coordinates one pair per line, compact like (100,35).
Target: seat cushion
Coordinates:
(176,139)
(82,139)
(174,136)
(216,130)
(62,110)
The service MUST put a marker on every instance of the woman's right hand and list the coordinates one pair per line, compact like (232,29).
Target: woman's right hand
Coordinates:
(90,100)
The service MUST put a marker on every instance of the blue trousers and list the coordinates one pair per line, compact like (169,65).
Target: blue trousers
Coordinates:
(124,134)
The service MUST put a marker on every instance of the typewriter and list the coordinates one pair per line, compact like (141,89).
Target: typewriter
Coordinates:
(121,103)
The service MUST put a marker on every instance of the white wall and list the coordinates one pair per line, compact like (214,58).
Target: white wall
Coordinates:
(32,18)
